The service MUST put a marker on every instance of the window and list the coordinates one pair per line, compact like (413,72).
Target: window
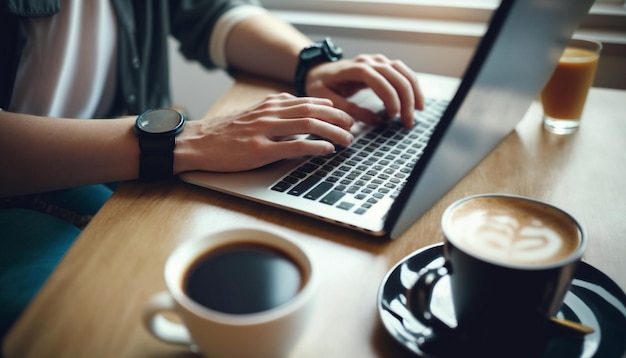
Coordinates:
(438,36)
(606,20)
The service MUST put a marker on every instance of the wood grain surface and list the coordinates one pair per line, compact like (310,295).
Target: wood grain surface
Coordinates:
(91,305)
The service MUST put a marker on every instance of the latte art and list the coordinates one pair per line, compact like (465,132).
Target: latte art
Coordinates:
(505,238)
(513,231)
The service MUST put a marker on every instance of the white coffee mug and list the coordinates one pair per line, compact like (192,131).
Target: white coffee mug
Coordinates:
(268,333)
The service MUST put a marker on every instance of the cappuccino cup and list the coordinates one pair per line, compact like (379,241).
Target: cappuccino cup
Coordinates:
(240,292)
(510,261)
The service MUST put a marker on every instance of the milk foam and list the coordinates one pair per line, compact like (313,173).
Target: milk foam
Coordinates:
(512,234)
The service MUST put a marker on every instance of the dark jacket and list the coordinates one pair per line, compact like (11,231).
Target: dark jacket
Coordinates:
(143,28)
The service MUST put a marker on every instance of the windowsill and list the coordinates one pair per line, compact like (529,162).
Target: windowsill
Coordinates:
(448,30)
(426,20)
(379,27)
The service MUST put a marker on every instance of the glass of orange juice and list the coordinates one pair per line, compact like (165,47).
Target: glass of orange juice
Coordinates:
(564,95)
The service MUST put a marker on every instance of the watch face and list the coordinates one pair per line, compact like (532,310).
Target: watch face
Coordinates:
(160,121)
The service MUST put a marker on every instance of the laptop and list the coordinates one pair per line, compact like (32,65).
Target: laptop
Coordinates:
(384,192)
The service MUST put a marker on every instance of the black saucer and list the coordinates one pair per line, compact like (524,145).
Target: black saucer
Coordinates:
(593,300)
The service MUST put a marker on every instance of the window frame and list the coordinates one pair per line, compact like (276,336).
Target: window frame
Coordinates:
(399,19)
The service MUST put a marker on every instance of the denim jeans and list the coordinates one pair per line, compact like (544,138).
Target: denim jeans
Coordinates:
(33,241)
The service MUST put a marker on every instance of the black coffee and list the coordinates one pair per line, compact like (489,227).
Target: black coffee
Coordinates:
(243,278)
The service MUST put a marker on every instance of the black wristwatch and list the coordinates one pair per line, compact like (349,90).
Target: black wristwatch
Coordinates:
(156,130)
(319,52)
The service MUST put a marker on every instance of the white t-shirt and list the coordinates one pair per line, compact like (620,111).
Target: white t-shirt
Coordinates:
(68,64)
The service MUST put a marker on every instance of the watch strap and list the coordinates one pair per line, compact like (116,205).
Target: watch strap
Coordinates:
(310,56)
(156,131)
(156,161)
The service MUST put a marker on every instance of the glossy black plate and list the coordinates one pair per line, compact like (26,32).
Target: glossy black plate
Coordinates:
(593,300)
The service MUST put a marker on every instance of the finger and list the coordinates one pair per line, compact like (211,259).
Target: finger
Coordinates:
(269,151)
(285,128)
(284,99)
(412,77)
(404,84)
(393,89)
(408,115)
(325,113)
(374,79)
(357,112)
(299,148)
(275,151)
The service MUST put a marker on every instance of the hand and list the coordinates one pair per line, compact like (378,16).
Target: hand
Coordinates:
(392,81)
(262,134)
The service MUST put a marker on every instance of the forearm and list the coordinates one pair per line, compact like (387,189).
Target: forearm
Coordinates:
(265,46)
(43,154)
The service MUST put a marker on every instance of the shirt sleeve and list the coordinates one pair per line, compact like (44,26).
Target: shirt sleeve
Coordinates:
(197,23)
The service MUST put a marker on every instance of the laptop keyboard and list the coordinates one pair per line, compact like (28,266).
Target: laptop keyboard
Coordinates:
(375,166)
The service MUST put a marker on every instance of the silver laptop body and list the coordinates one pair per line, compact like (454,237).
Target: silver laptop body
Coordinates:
(511,64)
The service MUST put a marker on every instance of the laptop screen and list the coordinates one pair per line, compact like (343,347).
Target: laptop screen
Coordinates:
(513,61)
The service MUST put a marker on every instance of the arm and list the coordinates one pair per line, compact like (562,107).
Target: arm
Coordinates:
(52,153)
(43,154)
(267,46)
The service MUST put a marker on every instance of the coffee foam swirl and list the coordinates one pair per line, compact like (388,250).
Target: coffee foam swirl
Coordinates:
(504,238)
(513,233)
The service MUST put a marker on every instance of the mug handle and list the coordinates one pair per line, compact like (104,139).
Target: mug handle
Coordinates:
(159,326)
(419,297)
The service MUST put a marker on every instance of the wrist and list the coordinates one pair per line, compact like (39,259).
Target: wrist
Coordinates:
(311,56)
(156,131)
(188,154)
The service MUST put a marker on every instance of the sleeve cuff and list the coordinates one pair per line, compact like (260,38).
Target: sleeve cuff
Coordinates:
(217,45)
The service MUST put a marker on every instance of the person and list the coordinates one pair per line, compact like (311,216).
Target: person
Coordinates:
(106,61)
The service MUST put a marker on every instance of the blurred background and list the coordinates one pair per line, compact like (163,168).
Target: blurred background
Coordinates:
(433,36)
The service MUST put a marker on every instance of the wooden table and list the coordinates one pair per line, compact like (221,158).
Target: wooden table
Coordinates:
(91,305)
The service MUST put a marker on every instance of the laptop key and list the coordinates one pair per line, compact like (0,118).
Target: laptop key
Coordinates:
(318,160)
(298,174)
(318,191)
(345,205)
(281,186)
(332,197)
(375,167)
(291,180)
(304,186)
(308,167)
